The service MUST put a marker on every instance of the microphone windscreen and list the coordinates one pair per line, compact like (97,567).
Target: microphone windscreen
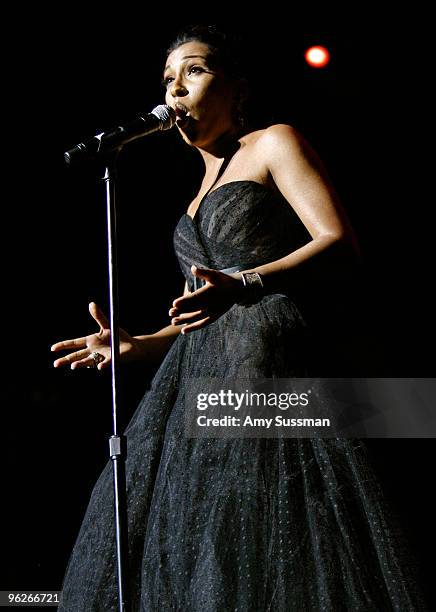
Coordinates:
(166,116)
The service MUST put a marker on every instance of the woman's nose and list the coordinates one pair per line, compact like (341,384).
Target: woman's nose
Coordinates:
(178,89)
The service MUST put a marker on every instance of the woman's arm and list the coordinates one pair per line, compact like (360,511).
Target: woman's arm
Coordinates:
(300,176)
(152,348)
(332,254)
(149,348)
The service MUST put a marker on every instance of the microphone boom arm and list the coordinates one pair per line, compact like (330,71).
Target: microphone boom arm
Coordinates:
(161,118)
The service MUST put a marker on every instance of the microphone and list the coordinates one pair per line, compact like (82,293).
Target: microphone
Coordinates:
(161,118)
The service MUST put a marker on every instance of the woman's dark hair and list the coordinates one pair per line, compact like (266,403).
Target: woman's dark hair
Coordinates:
(226,48)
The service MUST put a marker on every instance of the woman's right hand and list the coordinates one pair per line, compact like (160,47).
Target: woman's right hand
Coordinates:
(98,342)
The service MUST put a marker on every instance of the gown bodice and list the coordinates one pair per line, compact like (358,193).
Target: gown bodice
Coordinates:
(241,223)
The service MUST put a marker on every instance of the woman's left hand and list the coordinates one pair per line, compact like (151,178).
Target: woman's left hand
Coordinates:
(198,309)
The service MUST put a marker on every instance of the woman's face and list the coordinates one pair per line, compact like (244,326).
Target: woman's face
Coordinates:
(200,93)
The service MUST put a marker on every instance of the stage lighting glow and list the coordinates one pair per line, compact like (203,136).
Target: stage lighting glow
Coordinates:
(317,56)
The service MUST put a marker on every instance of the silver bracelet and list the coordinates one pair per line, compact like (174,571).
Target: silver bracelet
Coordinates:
(252,280)
(253,286)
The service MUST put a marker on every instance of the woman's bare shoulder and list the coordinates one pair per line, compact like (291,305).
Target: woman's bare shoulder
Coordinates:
(273,136)
(276,130)
(282,143)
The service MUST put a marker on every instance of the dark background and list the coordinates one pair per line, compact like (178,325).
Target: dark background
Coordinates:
(72,76)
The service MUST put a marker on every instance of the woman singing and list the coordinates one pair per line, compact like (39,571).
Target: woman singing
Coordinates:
(254,524)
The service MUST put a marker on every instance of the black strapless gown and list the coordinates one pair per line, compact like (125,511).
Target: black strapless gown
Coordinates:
(246,525)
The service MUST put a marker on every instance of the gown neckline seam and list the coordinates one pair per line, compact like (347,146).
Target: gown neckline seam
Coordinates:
(209,193)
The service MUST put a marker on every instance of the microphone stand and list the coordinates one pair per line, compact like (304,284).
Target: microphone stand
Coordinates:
(117,443)
(105,148)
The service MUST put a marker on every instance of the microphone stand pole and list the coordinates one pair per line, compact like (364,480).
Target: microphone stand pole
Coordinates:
(108,147)
(117,443)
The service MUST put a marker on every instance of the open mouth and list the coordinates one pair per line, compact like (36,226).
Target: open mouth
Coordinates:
(183,115)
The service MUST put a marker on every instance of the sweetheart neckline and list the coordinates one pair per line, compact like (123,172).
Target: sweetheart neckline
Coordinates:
(209,193)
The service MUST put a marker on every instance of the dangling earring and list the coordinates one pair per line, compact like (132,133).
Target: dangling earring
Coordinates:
(238,112)
(240,115)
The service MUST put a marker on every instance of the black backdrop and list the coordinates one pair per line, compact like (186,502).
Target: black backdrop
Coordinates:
(71,76)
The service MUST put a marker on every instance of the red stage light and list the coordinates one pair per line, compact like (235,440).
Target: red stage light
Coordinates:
(317,56)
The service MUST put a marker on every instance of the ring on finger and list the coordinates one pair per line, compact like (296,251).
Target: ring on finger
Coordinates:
(97,357)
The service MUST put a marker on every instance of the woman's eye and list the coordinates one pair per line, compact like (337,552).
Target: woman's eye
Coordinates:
(192,70)
(195,69)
